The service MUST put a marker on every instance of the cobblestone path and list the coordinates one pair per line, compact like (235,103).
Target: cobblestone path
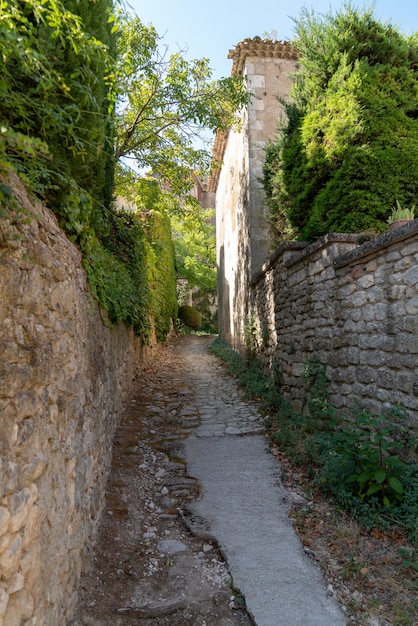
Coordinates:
(196,518)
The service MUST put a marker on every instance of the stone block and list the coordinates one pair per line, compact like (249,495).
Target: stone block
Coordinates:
(410,324)
(339,401)
(404,381)
(19,507)
(368,313)
(365,282)
(392,256)
(4,520)
(31,529)
(371,266)
(411,306)
(410,248)
(358,299)
(375,294)
(404,263)
(19,608)
(374,358)
(366,374)
(9,558)
(380,311)
(395,291)
(4,598)
(410,277)
(34,470)
(345,390)
(386,378)
(10,477)
(17,583)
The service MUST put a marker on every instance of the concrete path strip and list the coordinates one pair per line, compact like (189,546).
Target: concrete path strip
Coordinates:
(246,509)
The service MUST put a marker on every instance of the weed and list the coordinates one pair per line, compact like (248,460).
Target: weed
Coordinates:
(237,594)
(355,460)
(251,336)
(319,404)
(410,557)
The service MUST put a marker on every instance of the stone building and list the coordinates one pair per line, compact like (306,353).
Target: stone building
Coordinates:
(241,224)
(350,304)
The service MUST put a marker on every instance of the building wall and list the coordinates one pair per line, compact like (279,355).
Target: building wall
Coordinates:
(242,215)
(268,80)
(354,308)
(64,377)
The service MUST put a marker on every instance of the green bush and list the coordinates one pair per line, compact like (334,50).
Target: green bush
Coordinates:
(189,316)
(349,147)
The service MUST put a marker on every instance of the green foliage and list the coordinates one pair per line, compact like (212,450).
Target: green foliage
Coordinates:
(401,213)
(350,145)
(251,329)
(161,275)
(255,382)
(410,557)
(167,101)
(131,272)
(355,461)
(56,94)
(62,66)
(194,243)
(366,447)
(189,316)
(318,384)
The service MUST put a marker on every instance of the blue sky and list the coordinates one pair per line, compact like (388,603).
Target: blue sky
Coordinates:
(210,28)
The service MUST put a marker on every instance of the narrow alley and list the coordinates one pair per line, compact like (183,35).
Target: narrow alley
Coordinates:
(196,530)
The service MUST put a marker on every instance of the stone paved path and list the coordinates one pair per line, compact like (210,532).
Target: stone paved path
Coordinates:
(160,560)
(246,506)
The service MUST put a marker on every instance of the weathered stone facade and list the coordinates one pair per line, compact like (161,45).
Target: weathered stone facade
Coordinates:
(353,307)
(241,213)
(64,377)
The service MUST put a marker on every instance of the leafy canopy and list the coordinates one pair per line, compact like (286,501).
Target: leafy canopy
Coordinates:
(167,105)
(194,244)
(349,148)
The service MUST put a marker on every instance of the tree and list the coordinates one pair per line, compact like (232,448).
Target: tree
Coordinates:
(167,103)
(56,94)
(194,244)
(350,147)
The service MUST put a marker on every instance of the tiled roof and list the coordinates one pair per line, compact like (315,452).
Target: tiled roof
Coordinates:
(257,47)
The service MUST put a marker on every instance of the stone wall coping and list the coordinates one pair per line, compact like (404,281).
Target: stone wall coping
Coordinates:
(303,250)
(320,244)
(381,242)
(287,246)
(352,256)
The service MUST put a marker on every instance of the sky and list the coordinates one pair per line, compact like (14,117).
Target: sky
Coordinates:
(211,28)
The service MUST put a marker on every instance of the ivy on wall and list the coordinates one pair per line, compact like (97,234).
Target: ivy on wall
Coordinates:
(57,90)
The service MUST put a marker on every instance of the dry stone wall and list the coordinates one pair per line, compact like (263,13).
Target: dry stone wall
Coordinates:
(353,307)
(64,377)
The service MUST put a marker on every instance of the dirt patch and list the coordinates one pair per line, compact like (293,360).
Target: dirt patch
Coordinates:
(155,564)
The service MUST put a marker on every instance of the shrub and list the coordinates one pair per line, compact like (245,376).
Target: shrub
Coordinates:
(189,316)
(348,149)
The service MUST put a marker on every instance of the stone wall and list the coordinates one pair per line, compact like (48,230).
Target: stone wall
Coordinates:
(64,377)
(354,307)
